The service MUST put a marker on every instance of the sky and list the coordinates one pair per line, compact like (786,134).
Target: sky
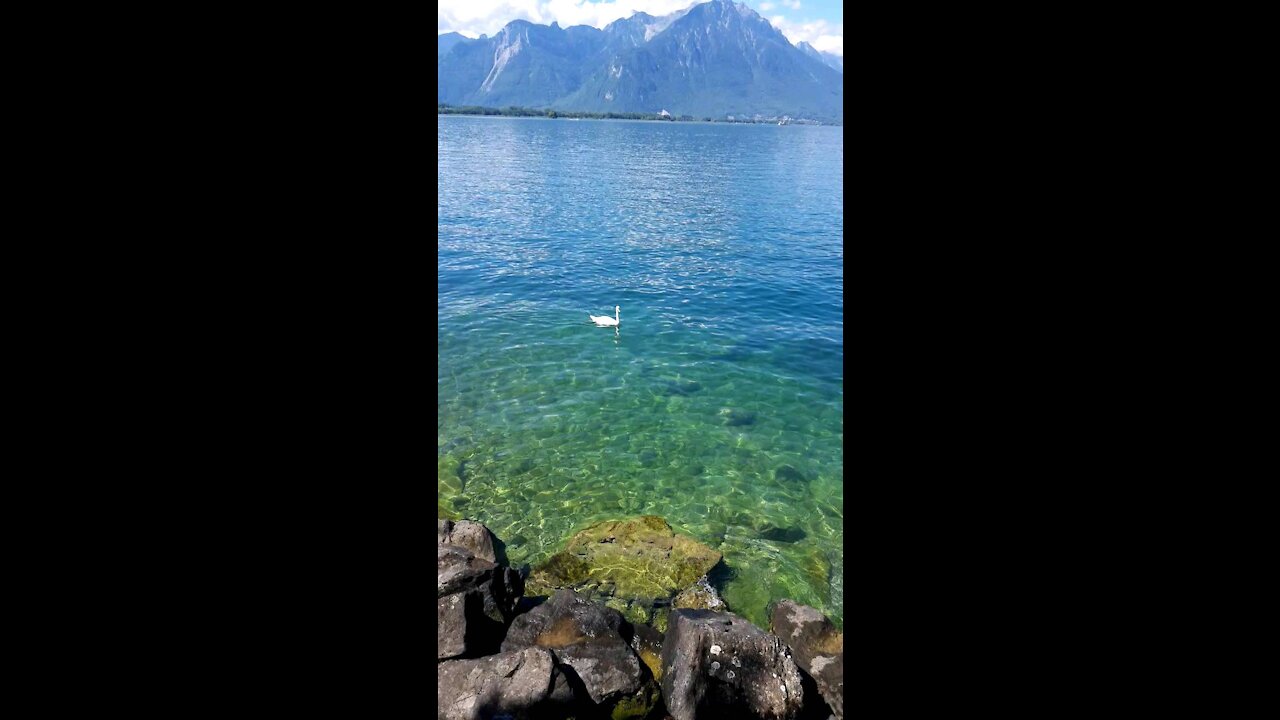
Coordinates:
(817,22)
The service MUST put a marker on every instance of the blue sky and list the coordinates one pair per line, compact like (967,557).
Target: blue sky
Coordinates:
(818,22)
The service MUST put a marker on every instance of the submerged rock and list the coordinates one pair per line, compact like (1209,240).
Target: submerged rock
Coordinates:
(523,684)
(781,534)
(786,474)
(588,638)
(681,387)
(632,611)
(719,665)
(735,417)
(637,559)
(475,600)
(817,646)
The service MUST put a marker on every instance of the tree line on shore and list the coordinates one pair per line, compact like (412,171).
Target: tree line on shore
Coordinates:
(513,111)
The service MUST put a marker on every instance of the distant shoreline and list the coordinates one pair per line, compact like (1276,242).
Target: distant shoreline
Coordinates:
(512,111)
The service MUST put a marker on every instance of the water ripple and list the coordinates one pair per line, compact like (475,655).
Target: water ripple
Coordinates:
(717,404)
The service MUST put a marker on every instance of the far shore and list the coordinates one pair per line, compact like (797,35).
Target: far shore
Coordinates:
(545,114)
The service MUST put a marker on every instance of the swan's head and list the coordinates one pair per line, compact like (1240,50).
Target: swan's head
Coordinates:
(617,309)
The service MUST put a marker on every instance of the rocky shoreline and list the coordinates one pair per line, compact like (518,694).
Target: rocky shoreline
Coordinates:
(621,624)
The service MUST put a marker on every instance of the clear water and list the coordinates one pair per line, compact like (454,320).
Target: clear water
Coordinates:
(718,403)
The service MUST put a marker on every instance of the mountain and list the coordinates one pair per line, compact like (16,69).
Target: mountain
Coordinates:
(835,62)
(712,59)
(445,42)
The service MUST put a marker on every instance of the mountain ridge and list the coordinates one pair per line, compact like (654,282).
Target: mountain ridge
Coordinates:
(713,58)
(835,62)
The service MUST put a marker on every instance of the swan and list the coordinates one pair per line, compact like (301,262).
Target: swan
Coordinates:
(605,320)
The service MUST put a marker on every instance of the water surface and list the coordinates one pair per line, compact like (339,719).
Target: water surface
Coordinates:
(718,403)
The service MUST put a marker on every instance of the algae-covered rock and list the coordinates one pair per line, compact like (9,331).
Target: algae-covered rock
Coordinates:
(640,558)
(637,706)
(561,570)
(699,596)
(647,643)
(660,619)
(635,612)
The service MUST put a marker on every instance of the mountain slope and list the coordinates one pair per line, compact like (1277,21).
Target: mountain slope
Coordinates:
(523,64)
(712,59)
(835,62)
(445,43)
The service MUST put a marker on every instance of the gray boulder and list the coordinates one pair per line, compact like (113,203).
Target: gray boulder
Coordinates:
(475,600)
(719,665)
(525,684)
(466,534)
(587,637)
(817,646)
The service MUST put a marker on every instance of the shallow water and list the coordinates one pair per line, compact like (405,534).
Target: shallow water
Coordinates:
(718,403)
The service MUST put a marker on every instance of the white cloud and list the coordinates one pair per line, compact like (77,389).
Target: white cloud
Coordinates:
(793,4)
(767,6)
(476,17)
(822,35)
(833,44)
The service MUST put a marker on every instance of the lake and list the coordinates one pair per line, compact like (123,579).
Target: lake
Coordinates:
(717,403)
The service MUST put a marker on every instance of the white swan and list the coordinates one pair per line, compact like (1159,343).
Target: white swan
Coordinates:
(605,320)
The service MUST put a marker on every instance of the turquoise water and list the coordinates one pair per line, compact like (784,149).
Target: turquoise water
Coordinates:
(717,404)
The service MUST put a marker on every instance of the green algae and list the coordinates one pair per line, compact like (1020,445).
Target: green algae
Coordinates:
(636,706)
(640,558)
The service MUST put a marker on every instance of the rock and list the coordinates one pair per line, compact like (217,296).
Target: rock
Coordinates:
(523,684)
(699,596)
(641,558)
(719,665)
(786,474)
(639,705)
(633,612)
(466,534)
(647,643)
(587,637)
(781,534)
(817,646)
(660,616)
(475,600)
(681,387)
(735,417)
